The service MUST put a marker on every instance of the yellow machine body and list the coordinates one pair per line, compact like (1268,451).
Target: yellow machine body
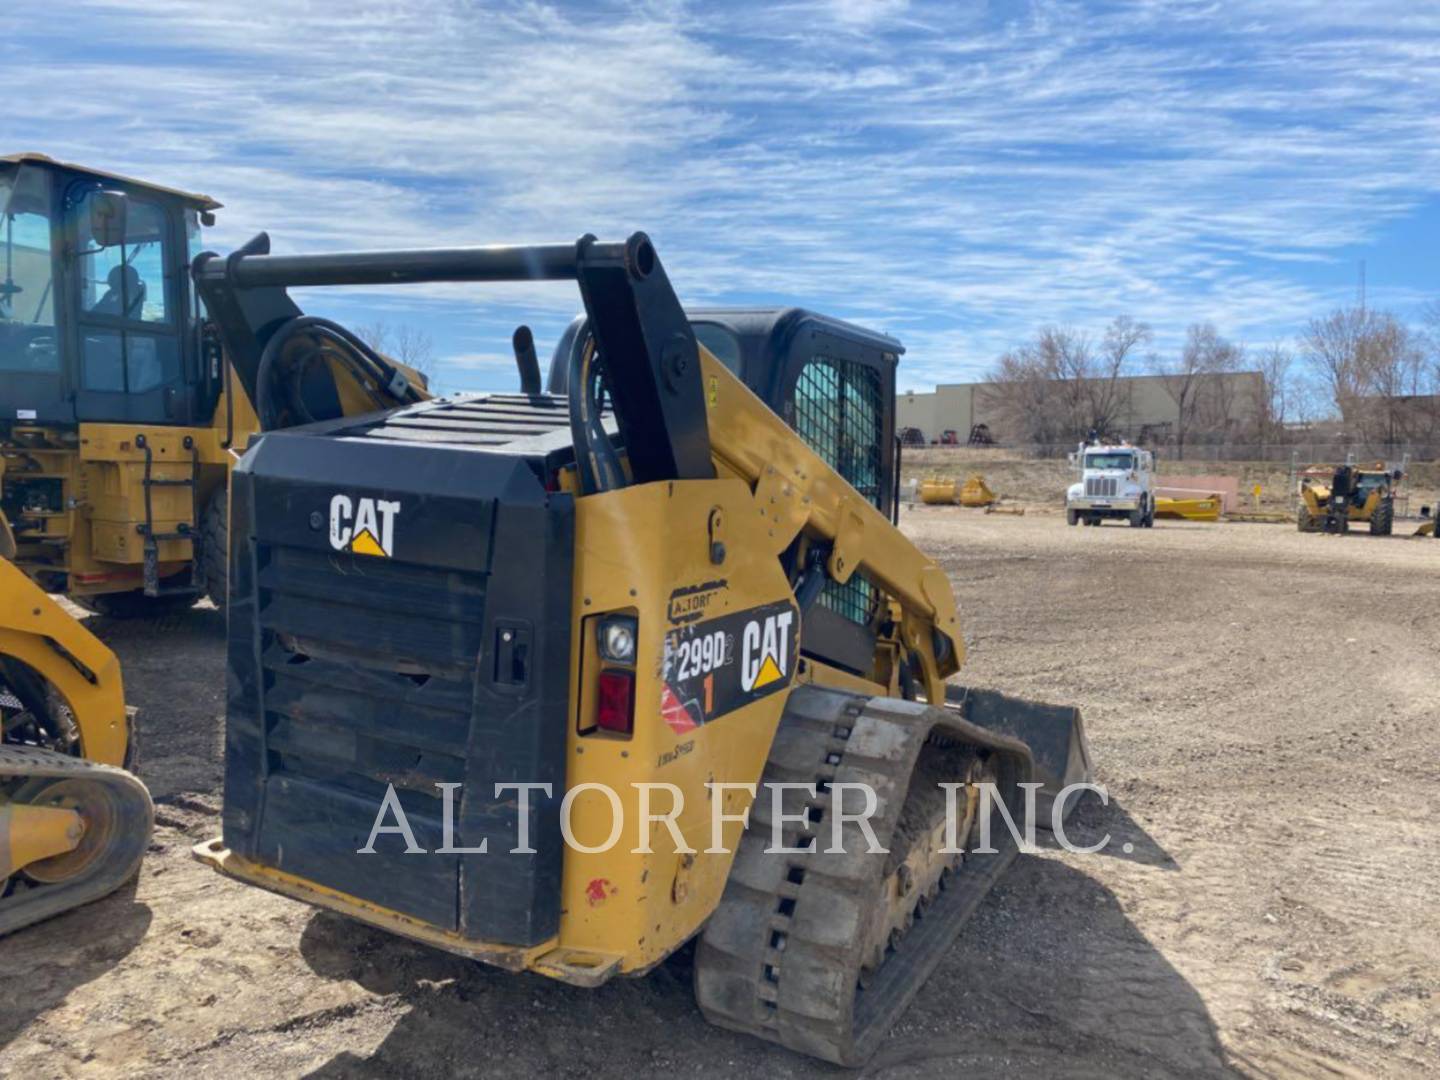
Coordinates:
(73,823)
(621,911)
(709,521)
(1201,509)
(975,492)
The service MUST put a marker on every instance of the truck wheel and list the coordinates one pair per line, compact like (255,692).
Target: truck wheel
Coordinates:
(215,555)
(1382,522)
(1137,517)
(1072,517)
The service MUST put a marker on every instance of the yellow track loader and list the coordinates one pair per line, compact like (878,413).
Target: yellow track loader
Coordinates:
(562,680)
(74,823)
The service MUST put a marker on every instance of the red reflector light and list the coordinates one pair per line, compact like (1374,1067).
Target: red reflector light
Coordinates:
(616,710)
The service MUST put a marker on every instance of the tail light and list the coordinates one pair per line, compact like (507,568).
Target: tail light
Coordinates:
(616,701)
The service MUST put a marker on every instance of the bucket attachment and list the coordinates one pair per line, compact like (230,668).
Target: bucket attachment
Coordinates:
(1055,735)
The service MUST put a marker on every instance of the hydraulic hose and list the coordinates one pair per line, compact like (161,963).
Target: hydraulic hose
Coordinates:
(595,456)
(364,364)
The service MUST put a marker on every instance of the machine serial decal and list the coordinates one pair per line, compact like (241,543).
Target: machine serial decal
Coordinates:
(716,666)
(690,602)
(363,526)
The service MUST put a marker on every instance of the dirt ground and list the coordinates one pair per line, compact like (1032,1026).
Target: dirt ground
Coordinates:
(1261,705)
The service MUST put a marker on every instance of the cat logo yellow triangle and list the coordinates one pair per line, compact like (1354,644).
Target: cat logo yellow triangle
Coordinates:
(769,672)
(366,544)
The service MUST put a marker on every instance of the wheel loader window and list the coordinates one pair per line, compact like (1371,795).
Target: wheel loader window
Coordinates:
(127,280)
(27,308)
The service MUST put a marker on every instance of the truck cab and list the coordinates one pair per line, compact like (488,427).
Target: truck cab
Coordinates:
(1116,481)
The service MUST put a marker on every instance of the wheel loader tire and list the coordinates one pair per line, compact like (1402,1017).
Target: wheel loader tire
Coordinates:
(821,950)
(215,555)
(1303,521)
(136,605)
(1382,522)
(1072,517)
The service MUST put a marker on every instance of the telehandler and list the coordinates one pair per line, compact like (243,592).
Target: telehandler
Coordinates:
(1331,500)
(463,628)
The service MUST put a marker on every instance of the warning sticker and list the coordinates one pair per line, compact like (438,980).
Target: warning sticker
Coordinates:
(716,666)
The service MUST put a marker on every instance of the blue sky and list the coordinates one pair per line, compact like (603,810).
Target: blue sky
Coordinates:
(954,173)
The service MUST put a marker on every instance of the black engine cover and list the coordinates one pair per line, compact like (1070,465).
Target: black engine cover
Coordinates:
(399,614)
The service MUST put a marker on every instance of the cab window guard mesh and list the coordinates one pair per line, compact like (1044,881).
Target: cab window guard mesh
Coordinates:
(838,413)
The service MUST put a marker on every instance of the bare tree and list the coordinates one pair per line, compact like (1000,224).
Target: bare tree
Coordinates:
(1107,392)
(404,343)
(1195,379)
(1021,393)
(1275,392)
(1374,367)
(1058,386)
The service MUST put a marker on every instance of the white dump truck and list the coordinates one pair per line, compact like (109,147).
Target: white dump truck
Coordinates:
(1115,482)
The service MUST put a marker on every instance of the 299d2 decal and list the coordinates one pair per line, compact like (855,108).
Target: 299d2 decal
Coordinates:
(716,666)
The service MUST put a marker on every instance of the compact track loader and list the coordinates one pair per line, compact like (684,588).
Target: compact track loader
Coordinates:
(74,823)
(506,670)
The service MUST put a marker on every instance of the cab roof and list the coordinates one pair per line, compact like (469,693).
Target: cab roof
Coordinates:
(200,202)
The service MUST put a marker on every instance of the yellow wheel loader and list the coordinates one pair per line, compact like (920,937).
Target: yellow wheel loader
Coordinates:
(118,415)
(74,823)
(563,680)
(1348,494)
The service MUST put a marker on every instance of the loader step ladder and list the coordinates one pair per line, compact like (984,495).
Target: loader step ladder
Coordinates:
(184,531)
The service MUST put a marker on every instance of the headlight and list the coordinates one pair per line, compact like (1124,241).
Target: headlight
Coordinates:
(617,639)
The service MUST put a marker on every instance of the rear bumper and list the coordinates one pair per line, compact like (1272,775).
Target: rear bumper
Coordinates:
(548,958)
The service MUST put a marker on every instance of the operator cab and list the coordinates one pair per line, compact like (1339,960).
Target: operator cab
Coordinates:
(834,383)
(99,319)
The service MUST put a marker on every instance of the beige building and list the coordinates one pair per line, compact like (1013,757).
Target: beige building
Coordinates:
(1145,407)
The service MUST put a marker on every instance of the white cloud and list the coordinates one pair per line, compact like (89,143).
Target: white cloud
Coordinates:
(951,174)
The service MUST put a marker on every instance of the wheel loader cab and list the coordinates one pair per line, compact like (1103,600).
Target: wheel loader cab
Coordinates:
(99,320)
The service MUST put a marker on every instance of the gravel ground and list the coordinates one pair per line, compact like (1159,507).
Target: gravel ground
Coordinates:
(1261,706)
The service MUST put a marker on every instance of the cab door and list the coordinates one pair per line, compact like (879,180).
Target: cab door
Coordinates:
(33,386)
(130,325)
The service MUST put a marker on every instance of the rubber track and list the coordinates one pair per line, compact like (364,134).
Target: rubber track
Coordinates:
(135,822)
(781,956)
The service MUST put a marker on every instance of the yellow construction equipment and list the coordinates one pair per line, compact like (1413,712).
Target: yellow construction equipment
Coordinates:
(1204,509)
(74,823)
(508,672)
(119,422)
(939,491)
(975,492)
(945,491)
(1332,498)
